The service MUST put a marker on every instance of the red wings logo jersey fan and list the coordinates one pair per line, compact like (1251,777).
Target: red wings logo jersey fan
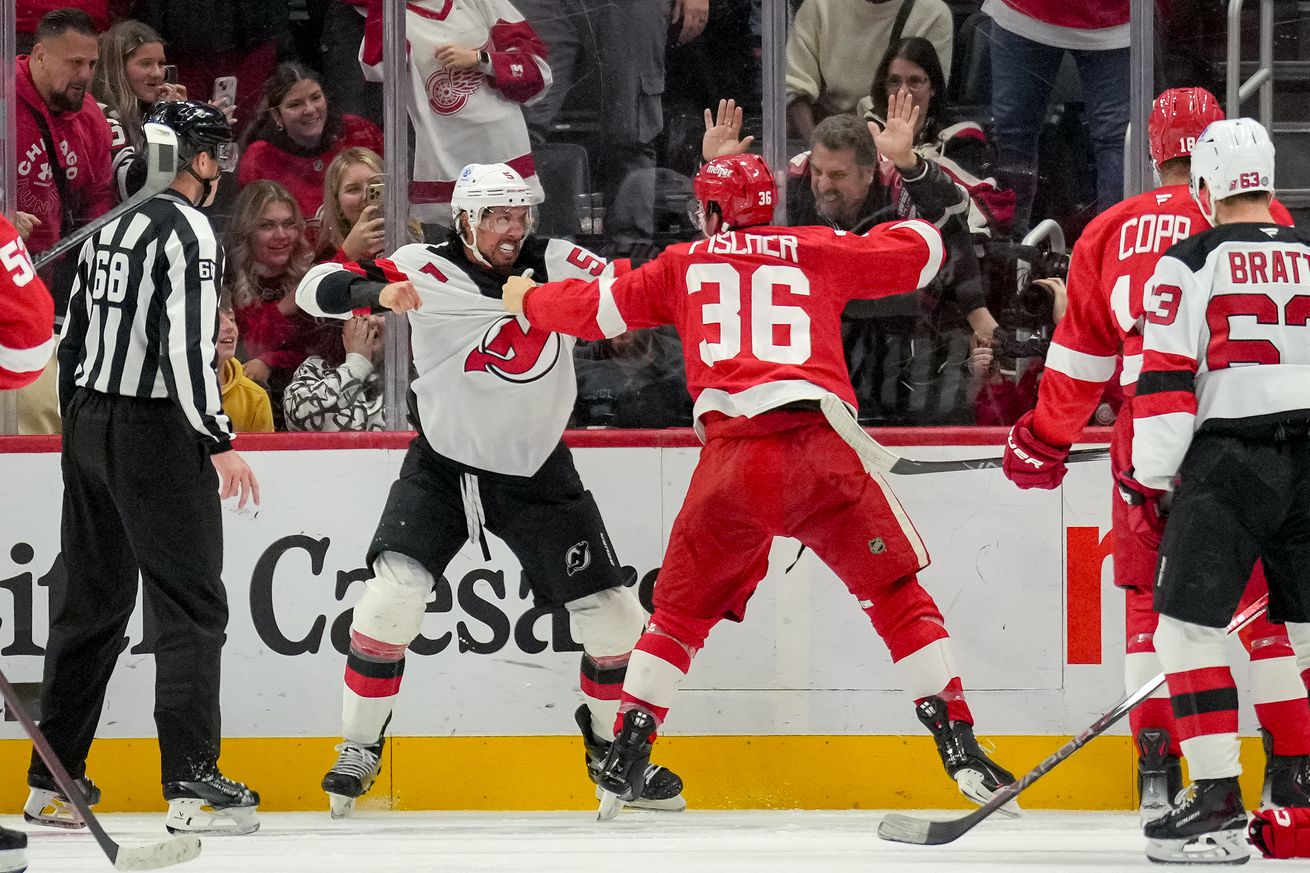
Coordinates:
(27,314)
(759,310)
(1111,264)
(493,392)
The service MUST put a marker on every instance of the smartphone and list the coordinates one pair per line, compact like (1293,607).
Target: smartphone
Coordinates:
(375,192)
(170,74)
(225,88)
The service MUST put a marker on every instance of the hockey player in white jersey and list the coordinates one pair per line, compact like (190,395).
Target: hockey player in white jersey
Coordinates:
(1222,421)
(491,399)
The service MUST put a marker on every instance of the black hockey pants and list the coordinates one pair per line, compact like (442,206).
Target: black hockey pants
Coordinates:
(140,495)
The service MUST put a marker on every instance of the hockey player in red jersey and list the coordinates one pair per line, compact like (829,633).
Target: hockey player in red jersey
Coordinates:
(1111,264)
(27,314)
(759,311)
(1222,421)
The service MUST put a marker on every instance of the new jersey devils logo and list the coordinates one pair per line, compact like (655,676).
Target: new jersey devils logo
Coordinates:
(449,89)
(513,352)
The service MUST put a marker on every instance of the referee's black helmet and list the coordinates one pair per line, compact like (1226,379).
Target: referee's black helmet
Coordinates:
(199,128)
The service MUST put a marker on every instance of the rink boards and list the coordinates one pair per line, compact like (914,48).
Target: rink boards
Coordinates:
(796,707)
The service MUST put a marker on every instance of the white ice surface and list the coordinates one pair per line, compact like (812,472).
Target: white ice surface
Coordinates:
(689,842)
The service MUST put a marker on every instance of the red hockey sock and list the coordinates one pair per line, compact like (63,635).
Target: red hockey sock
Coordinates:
(957,708)
(655,671)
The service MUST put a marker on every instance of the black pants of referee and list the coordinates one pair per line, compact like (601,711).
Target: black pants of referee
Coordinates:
(140,496)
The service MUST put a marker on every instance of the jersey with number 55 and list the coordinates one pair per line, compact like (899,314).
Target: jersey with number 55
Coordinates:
(27,314)
(1226,342)
(759,310)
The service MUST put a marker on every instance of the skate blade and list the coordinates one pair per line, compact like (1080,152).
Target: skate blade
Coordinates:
(668,804)
(610,806)
(194,816)
(1221,847)
(340,805)
(970,783)
(55,816)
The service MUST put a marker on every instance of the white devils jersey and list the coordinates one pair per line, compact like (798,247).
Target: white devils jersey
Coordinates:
(492,392)
(1226,342)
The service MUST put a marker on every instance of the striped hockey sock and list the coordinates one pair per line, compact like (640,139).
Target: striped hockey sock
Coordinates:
(602,686)
(373,673)
(655,670)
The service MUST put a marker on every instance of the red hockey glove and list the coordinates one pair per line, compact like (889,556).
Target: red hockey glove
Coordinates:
(1147,507)
(1281,833)
(1029,462)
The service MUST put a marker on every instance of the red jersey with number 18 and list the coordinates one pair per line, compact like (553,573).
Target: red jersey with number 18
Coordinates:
(759,310)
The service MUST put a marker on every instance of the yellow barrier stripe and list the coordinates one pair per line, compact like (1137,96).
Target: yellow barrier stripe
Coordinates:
(536,773)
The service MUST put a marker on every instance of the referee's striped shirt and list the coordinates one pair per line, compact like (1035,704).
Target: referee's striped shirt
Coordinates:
(143,314)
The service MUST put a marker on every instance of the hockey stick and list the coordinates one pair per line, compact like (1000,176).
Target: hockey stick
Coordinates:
(878,457)
(901,828)
(150,857)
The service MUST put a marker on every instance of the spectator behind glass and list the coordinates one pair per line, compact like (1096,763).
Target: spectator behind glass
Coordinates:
(349,228)
(130,77)
(28,14)
(833,45)
(295,134)
(344,392)
(64,176)
(267,256)
(472,65)
(960,148)
(245,402)
(1028,41)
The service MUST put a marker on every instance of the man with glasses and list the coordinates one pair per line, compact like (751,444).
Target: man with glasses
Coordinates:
(490,402)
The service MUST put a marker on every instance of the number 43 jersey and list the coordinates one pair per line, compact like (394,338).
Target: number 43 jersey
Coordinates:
(1226,343)
(492,392)
(759,310)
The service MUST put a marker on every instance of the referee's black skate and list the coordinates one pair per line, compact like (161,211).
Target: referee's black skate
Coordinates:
(623,773)
(1287,777)
(212,804)
(1206,826)
(13,851)
(977,776)
(1159,774)
(662,788)
(46,804)
(352,775)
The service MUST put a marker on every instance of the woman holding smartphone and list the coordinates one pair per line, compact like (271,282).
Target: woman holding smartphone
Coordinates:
(351,226)
(129,77)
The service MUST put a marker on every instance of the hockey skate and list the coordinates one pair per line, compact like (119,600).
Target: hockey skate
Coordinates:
(13,851)
(352,775)
(1287,777)
(977,776)
(662,788)
(213,804)
(1207,826)
(46,804)
(1159,774)
(623,773)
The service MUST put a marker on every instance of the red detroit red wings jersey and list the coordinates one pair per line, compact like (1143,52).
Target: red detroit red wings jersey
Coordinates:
(27,314)
(1111,263)
(759,310)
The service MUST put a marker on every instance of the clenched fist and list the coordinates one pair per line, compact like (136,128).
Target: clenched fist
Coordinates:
(513,292)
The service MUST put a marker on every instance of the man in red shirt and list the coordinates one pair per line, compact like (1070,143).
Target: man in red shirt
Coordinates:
(1108,272)
(759,312)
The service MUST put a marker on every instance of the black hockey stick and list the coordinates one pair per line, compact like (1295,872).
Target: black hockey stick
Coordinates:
(901,828)
(150,857)
(878,457)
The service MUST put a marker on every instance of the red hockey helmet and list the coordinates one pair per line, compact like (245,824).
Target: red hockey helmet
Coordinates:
(741,189)
(1177,118)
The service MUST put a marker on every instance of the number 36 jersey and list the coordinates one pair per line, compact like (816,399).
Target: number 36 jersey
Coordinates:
(759,310)
(1226,342)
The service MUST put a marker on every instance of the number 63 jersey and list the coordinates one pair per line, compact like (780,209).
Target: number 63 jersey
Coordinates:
(758,310)
(1226,343)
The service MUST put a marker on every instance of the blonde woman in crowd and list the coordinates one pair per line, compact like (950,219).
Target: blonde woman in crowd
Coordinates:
(268,253)
(351,227)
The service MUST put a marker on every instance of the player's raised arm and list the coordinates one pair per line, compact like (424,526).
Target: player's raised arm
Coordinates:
(336,290)
(892,258)
(619,300)
(1164,409)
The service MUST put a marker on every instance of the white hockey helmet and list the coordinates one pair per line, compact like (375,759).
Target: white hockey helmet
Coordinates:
(1232,156)
(482,186)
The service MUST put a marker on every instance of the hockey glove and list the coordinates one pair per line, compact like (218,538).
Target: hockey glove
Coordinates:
(1029,462)
(1147,507)
(1281,833)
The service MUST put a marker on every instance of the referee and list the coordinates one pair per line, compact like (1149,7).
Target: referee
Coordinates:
(147,455)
